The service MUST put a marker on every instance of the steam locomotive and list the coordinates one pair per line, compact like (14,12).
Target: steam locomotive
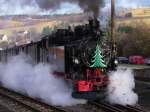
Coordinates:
(71,51)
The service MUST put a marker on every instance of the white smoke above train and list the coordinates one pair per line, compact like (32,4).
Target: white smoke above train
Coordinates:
(36,81)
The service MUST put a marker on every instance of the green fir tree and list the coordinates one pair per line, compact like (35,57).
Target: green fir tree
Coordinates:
(46,31)
(98,62)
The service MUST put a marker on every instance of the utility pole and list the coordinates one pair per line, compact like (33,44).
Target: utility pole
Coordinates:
(113,28)
(113,62)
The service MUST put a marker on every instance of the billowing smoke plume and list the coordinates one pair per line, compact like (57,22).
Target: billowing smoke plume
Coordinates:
(120,89)
(91,5)
(63,6)
(36,81)
(45,6)
(86,5)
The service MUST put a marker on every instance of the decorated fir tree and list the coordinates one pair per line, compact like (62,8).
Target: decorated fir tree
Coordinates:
(98,62)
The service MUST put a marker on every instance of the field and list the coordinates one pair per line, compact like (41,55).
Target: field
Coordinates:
(21,23)
(133,21)
(136,16)
(141,12)
(38,27)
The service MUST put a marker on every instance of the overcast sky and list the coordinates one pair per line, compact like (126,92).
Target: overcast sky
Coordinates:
(8,7)
(132,3)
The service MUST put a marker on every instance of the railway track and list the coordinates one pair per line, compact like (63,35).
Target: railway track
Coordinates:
(106,107)
(130,108)
(116,108)
(28,103)
(37,106)
(19,102)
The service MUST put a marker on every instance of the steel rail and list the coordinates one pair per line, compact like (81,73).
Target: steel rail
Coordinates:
(53,108)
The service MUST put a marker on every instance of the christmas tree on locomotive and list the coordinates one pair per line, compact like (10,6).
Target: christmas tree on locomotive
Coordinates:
(98,62)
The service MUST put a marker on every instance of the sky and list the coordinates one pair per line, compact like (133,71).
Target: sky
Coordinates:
(9,7)
(132,3)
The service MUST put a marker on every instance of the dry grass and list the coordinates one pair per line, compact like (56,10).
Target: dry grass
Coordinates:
(141,12)
(140,15)
(18,26)
(9,23)
(10,27)
(133,21)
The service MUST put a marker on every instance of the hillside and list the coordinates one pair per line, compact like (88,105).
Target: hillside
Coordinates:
(133,16)
(12,24)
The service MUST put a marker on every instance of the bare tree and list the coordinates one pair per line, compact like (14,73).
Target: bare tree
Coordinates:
(136,42)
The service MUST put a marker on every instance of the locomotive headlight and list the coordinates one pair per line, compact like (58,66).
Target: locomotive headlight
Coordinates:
(116,62)
(76,61)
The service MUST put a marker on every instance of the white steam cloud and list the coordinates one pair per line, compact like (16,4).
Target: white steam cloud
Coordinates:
(32,7)
(36,81)
(120,89)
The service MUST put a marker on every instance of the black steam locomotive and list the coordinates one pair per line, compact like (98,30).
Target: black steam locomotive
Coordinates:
(71,51)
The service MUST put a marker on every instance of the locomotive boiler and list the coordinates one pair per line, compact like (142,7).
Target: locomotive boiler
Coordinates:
(81,55)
